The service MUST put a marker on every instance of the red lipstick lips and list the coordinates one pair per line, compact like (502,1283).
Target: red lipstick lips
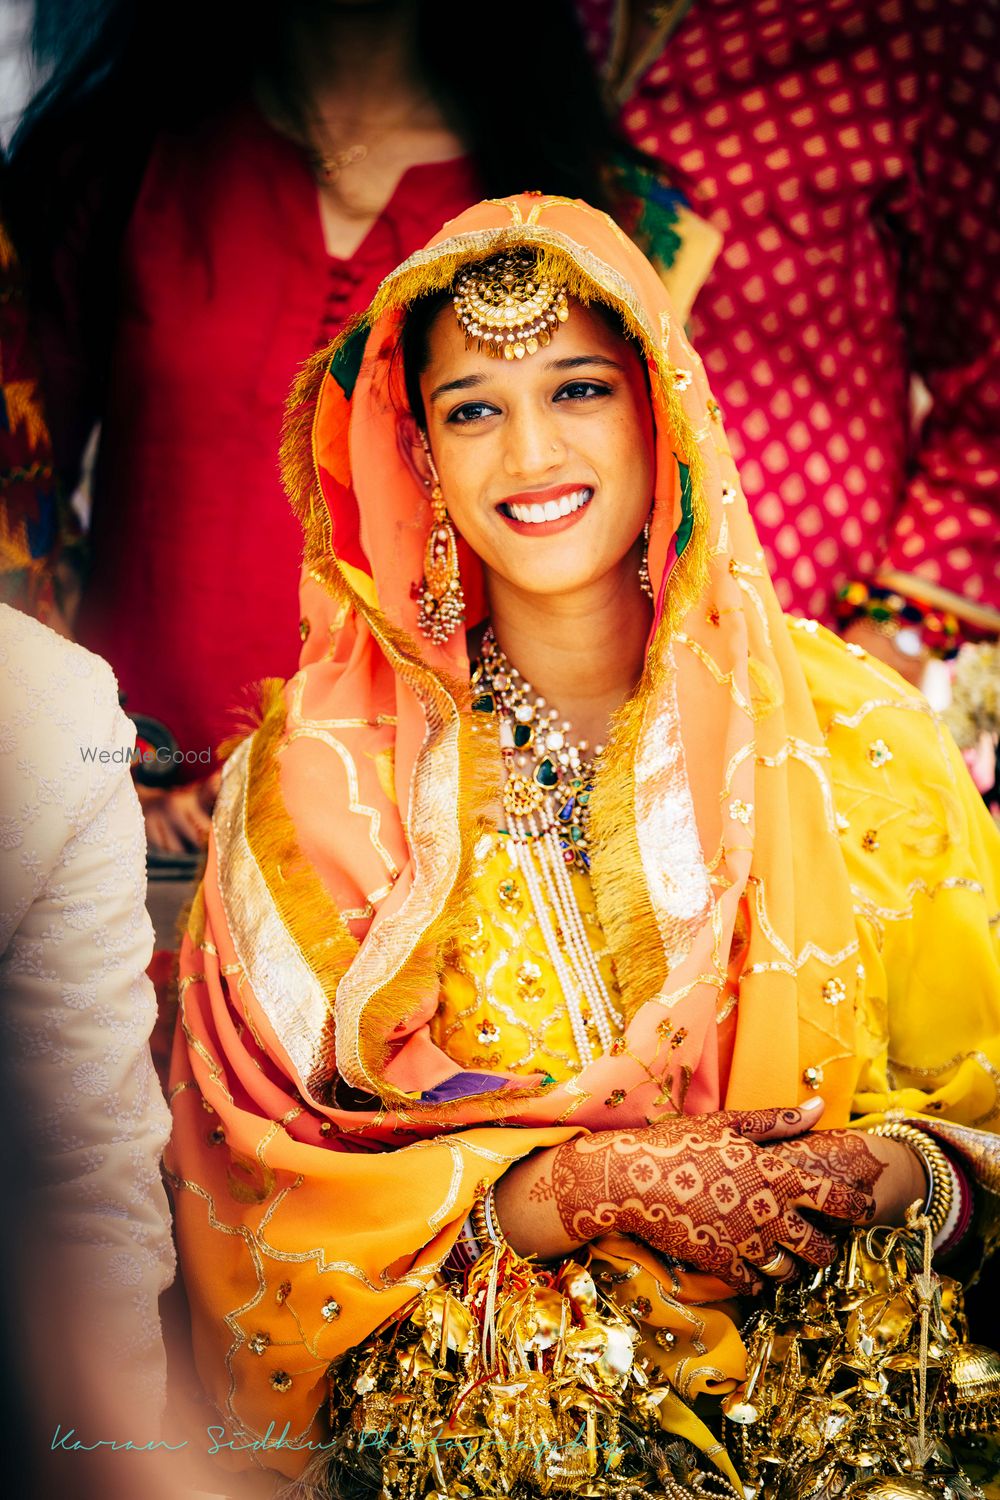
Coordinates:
(542,512)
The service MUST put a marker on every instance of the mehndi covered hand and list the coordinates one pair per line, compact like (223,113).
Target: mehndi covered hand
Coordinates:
(708,1190)
(887,1169)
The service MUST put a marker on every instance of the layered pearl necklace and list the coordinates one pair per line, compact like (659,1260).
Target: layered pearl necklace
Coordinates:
(546,797)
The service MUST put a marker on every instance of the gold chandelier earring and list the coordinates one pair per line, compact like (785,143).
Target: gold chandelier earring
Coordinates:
(644,579)
(442,603)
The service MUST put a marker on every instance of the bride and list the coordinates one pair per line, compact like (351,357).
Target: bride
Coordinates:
(585,950)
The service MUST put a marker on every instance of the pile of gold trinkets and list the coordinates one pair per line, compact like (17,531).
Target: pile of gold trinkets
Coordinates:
(524,1386)
(860,1381)
(528,1383)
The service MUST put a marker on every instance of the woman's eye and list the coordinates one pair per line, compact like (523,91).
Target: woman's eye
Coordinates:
(471,411)
(582,390)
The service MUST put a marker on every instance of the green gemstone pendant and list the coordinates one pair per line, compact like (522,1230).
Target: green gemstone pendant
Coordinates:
(546,774)
(523,736)
(485,703)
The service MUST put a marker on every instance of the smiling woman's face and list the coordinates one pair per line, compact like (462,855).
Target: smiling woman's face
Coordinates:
(546,463)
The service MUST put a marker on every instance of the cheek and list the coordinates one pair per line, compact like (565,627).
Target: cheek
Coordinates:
(461,469)
(627,461)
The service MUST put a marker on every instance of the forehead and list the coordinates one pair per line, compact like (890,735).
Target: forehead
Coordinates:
(586,331)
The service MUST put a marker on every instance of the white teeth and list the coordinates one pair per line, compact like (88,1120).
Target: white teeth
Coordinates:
(552,509)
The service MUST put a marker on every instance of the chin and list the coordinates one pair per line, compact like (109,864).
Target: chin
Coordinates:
(552,582)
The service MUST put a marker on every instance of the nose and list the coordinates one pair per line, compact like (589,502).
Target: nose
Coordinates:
(534,447)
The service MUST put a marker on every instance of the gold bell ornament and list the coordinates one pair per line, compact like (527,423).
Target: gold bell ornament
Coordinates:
(858,1379)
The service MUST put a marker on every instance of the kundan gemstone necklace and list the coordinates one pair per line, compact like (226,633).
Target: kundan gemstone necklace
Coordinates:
(546,798)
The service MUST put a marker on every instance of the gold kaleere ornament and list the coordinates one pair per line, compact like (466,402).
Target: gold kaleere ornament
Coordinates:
(858,1381)
(522,1383)
(505,308)
(972,1390)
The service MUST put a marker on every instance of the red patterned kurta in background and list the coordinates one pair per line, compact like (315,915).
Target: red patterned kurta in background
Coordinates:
(848,152)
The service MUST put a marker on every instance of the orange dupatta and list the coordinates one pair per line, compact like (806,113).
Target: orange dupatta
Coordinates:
(325,1151)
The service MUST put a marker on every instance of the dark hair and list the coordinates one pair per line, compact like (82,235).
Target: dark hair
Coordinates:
(414,347)
(120,71)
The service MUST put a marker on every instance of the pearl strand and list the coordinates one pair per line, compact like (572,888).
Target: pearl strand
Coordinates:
(561,895)
(538,850)
(521,854)
(606,1017)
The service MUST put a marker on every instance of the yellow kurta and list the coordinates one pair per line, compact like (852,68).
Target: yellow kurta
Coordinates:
(921,854)
(501,1001)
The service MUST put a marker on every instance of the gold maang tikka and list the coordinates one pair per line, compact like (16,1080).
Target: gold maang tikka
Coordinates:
(506,308)
(442,603)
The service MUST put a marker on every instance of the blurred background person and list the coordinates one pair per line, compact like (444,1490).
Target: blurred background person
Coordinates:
(205,196)
(38,531)
(88,1247)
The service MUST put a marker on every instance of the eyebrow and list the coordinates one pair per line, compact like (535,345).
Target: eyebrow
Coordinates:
(465,384)
(574,362)
(585,359)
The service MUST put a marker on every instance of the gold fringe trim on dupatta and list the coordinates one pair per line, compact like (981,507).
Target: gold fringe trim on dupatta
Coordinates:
(194,918)
(621,896)
(477,768)
(304,904)
(249,717)
(297,459)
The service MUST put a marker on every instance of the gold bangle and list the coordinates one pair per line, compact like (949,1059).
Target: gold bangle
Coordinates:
(484,1220)
(941,1190)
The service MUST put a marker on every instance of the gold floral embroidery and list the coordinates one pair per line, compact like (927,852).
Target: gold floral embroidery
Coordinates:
(501,1006)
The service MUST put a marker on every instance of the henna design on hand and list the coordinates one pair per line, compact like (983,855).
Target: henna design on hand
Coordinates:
(542,1190)
(763,1124)
(694,1187)
(841,1154)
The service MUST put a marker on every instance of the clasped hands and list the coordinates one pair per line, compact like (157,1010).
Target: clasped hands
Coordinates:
(739,1194)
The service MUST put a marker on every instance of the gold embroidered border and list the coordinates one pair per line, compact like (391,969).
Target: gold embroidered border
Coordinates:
(285,984)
